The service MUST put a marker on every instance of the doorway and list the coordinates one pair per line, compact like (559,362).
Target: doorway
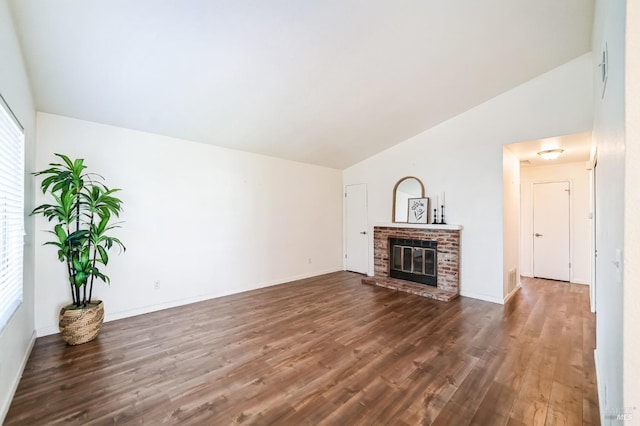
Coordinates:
(551,230)
(356,237)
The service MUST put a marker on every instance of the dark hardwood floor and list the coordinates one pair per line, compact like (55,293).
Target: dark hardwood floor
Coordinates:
(327,350)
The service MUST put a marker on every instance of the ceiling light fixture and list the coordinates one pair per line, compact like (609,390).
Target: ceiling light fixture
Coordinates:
(551,154)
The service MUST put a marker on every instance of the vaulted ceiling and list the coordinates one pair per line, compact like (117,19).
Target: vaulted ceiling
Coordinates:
(322,82)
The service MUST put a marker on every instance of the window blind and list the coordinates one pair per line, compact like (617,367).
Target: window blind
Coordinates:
(11,212)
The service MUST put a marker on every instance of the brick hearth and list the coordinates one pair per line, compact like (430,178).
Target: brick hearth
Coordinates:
(448,263)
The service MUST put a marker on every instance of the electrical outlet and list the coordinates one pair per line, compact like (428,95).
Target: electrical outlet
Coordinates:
(156,285)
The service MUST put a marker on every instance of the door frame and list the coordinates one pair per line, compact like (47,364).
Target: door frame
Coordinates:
(542,181)
(593,176)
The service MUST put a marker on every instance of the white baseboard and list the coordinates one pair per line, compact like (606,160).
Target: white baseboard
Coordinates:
(491,298)
(45,331)
(484,297)
(175,303)
(573,280)
(599,384)
(4,409)
(510,295)
(582,282)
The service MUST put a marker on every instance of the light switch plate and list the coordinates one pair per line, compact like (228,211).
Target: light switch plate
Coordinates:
(618,263)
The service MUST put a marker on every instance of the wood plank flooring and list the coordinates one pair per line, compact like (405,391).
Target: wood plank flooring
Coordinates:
(327,350)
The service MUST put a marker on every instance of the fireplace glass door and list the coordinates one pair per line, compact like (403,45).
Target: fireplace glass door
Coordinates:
(413,260)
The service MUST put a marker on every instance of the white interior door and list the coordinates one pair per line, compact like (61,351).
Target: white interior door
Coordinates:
(551,248)
(357,241)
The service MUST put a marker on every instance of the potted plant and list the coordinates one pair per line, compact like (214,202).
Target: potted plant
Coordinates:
(82,211)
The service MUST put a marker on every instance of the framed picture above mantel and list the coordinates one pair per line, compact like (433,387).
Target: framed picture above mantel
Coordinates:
(418,210)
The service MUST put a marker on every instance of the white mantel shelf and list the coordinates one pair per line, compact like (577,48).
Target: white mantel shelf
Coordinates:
(420,226)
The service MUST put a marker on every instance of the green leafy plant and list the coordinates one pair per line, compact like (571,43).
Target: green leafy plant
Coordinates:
(82,211)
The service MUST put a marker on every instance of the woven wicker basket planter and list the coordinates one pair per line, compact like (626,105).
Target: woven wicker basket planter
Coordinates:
(79,326)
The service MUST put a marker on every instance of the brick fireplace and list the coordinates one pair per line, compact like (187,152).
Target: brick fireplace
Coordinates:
(447,263)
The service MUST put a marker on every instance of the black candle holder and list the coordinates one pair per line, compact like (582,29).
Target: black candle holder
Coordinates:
(442,222)
(435,216)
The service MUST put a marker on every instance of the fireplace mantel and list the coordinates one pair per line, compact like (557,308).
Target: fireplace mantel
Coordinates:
(419,226)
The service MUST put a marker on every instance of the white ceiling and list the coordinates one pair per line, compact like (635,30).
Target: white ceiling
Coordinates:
(577,148)
(323,82)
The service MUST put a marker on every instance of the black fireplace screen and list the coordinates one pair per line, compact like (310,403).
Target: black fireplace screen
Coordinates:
(413,260)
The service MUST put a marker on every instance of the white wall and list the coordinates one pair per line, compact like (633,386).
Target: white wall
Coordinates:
(18,336)
(631,302)
(581,226)
(608,134)
(203,221)
(463,157)
(511,219)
